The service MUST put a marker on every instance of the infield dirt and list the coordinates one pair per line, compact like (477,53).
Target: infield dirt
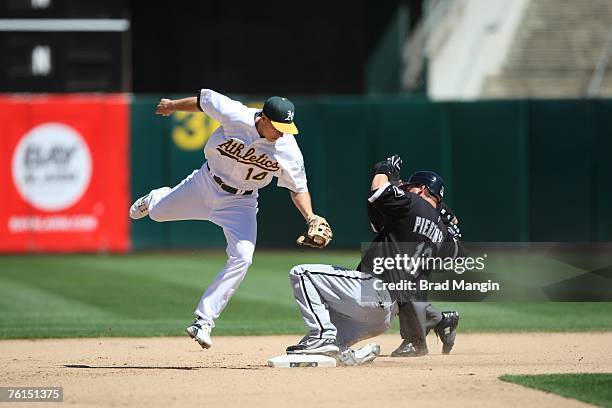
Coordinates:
(174,371)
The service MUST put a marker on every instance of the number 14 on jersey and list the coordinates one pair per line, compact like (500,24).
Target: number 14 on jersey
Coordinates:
(258,176)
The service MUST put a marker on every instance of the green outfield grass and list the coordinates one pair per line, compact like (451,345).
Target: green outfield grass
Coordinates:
(154,294)
(592,388)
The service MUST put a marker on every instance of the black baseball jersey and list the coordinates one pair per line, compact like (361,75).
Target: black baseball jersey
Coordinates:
(405,224)
(381,212)
(405,217)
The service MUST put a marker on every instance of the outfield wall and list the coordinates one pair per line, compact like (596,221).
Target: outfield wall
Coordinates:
(515,170)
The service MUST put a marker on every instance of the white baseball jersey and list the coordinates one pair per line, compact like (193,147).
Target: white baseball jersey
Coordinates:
(240,156)
(243,159)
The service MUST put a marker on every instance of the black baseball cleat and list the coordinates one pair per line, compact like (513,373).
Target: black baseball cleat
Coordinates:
(446,330)
(407,349)
(313,345)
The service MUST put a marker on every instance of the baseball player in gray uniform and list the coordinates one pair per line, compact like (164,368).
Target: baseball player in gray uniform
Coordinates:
(341,307)
(249,149)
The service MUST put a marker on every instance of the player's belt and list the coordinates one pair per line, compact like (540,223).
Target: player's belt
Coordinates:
(227,188)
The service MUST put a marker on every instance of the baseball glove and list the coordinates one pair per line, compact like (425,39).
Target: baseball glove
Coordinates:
(318,235)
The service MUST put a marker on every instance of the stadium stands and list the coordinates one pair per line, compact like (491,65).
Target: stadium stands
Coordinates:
(556,52)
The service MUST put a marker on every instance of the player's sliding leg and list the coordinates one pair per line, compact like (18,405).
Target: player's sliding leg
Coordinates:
(334,310)
(308,292)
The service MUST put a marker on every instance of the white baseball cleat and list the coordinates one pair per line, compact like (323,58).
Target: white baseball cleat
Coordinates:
(200,332)
(140,208)
(364,355)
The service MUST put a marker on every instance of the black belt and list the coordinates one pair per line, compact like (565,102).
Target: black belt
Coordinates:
(225,187)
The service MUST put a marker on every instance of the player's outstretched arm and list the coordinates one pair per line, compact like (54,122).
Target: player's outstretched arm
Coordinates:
(167,107)
(302,202)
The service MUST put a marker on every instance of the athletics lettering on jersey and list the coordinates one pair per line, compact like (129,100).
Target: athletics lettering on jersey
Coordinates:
(233,149)
(428,229)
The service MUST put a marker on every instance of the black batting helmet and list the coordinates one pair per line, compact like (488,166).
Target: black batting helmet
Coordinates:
(429,179)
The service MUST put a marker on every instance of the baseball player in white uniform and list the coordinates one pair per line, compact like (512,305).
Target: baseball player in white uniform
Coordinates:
(243,155)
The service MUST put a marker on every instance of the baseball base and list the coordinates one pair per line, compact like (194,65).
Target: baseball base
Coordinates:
(301,360)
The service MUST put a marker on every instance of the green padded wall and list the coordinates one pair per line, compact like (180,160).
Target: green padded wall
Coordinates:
(515,170)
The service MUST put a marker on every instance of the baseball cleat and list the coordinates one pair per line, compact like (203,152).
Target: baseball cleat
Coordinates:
(200,332)
(446,330)
(408,349)
(364,355)
(140,208)
(313,345)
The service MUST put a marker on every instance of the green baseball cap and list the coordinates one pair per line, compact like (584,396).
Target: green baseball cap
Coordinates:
(281,111)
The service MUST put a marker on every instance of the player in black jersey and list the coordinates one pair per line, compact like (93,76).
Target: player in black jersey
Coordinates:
(410,218)
(341,307)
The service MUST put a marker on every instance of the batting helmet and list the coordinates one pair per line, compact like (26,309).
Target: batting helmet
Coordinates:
(429,179)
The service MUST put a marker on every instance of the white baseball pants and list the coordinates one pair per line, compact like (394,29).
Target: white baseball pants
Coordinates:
(199,197)
(334,303)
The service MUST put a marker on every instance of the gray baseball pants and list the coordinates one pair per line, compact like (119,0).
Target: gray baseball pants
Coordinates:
(340,304)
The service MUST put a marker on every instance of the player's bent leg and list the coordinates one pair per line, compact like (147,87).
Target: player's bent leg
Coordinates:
(412,319)
(416,319)
(366,322)
(188,200)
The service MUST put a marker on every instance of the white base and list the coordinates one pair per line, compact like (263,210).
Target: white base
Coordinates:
(301,360)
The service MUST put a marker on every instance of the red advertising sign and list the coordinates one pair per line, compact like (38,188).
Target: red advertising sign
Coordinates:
(64,173)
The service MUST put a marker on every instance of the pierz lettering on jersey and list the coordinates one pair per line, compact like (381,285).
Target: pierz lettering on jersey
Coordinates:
(428,228)
(233,149)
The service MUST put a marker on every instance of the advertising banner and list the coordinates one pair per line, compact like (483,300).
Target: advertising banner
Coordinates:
(64,173)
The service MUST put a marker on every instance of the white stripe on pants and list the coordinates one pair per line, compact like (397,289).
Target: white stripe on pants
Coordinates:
(198,197)
(332,304)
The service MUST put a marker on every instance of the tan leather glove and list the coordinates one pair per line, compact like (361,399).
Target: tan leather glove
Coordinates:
(319,233)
